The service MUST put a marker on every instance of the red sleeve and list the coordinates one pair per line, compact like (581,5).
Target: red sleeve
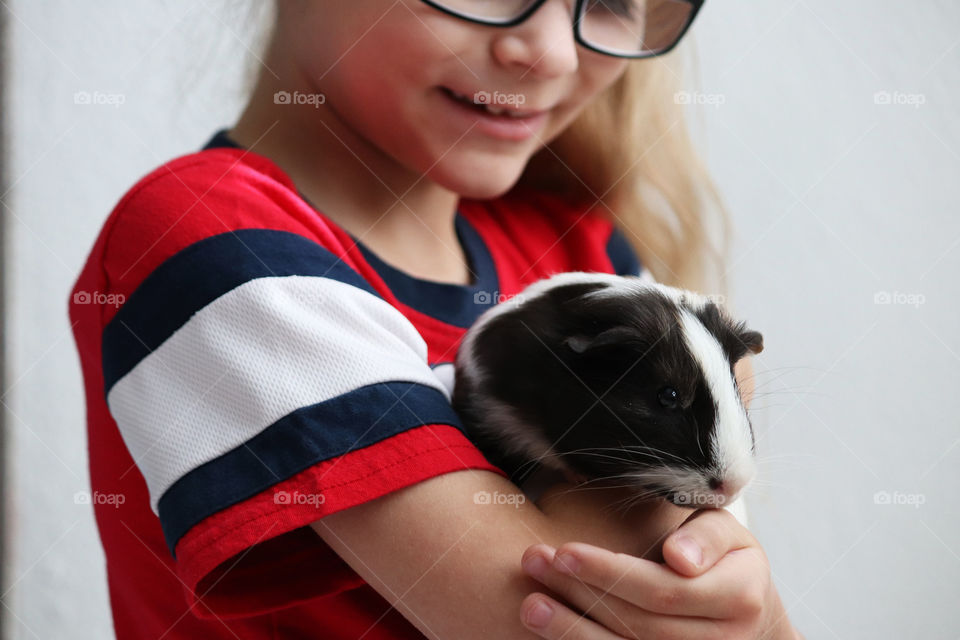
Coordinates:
(260,381)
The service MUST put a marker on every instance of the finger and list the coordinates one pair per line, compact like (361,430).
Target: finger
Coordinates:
(703,539)
(559,621)
(607,609)
(625,583)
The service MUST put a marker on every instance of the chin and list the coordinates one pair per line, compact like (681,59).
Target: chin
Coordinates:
(479,180)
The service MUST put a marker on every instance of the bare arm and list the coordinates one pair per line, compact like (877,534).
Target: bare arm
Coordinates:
(452,566)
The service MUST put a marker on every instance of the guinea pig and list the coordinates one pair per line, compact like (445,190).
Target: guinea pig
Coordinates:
(611,379)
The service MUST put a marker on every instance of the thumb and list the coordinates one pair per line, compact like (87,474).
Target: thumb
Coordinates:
(704,538)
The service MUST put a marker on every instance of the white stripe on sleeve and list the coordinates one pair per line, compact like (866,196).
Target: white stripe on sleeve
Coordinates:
(253,355)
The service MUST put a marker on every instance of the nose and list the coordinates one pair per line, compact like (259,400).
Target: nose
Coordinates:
(543,44)
(716,483)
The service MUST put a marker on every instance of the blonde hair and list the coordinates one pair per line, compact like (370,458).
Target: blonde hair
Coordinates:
(629,153)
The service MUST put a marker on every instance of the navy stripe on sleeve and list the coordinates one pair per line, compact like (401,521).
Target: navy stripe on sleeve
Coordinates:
(297,441)
(212,267)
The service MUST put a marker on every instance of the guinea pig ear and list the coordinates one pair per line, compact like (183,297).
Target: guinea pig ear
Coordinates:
(581,343)
(748,340)
(737,339)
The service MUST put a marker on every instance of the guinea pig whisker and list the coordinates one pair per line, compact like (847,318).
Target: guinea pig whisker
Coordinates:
(791,391)
(760,389)
(654,450)
(605,486)
(757,374)
(560,454)
(787,466)
(597,451)
(624,505)
(590,451)
(633,495)
(582,486)
(605,456)
(658,456)
(778,485)
(598,454)
(696,427)
(530,464)
(612,477)
(757,492)
(781,456)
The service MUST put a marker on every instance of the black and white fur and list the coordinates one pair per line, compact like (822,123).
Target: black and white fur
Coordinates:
(570,375)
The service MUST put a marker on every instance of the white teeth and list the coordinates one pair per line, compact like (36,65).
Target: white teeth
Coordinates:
(501,111)
(497,111)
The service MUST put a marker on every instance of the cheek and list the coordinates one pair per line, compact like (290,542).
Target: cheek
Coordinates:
(380,53)
(380,72)
(596,74)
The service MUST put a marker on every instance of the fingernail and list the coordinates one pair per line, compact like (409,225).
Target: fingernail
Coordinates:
(539,615)
(535,565)
(566,563)
(690,549)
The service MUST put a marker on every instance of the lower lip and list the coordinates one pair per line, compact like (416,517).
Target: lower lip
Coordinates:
(501,127)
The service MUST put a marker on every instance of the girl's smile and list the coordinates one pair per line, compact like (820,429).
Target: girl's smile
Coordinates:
(511,124)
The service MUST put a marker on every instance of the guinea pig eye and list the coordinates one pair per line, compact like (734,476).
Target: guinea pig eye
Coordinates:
(669,397)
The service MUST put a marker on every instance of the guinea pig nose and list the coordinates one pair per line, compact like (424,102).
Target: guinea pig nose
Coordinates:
(715,483)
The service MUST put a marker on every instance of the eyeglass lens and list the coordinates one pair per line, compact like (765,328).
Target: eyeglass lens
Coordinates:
(625,27)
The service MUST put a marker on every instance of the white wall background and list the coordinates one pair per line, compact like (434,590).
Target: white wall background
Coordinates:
(835,198)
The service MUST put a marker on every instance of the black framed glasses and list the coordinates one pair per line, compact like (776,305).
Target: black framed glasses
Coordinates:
(620,28)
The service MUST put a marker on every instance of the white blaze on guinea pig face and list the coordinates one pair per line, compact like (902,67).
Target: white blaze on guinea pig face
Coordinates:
(731,442)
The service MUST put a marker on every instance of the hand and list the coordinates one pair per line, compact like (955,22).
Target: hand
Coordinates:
(723,592)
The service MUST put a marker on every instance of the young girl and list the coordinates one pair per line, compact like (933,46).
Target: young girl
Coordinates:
(270,392)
